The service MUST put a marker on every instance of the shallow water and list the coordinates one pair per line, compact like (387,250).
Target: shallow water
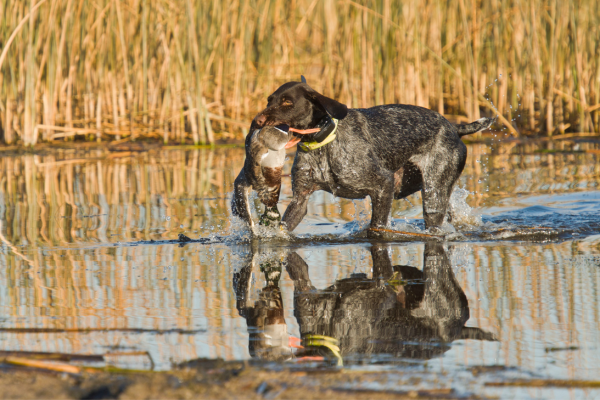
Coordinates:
(74,278)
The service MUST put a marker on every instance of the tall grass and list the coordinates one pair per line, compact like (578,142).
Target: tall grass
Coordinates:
(181,70)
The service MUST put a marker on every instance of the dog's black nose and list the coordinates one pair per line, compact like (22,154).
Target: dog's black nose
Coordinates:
(261,119)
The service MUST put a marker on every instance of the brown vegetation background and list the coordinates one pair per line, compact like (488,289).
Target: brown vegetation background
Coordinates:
(198,71)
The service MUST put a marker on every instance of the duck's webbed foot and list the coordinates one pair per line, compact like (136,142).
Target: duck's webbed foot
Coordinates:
(271,217)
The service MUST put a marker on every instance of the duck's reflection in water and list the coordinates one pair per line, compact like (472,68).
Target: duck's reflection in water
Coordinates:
(400,312)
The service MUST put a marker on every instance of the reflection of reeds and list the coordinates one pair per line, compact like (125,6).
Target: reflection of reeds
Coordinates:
(180,70)
(60,198)
(88,199)
(51,200)
(528,295)
(509,170)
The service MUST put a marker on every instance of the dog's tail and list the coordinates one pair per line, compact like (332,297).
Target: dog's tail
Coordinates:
(477,126)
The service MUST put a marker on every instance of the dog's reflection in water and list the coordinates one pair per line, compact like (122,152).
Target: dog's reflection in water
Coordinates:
(399,312)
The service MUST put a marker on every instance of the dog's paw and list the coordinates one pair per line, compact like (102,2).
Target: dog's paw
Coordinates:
(373,234)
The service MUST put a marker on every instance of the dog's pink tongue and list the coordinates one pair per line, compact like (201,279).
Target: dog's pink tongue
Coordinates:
(293,141)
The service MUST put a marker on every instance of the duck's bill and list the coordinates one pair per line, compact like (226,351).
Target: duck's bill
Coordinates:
(292,142)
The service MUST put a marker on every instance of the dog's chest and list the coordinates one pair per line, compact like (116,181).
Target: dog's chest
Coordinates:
(313,166)
(330,175)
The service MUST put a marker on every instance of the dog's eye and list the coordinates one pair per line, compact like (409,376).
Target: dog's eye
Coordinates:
(287,103)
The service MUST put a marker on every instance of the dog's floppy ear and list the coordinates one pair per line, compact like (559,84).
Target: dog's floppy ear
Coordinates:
(303,79)
(334,108)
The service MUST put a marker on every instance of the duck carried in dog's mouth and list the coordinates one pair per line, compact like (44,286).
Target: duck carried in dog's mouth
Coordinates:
(265,156)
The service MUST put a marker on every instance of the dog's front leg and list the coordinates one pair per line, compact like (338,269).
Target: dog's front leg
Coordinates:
(240,205)
(381,203)
(303,185)
(296,210)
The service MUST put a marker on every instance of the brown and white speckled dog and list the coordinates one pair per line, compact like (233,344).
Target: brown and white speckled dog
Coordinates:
(384,152)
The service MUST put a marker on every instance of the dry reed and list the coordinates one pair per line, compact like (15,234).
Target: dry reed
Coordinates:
(180,71)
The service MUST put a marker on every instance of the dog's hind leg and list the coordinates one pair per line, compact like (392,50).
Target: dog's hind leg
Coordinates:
(439,176)
(436,197)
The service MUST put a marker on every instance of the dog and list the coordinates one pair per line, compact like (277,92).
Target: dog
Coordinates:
(385,152)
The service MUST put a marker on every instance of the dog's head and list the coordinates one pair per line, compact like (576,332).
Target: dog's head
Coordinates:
(296,104)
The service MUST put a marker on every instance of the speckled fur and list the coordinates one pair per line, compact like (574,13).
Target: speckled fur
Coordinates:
(384,152)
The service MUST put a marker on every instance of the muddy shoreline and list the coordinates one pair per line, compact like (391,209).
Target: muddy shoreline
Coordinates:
(207,379)
(217,379)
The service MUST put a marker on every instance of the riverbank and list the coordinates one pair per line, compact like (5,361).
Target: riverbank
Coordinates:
(150,144)
(216,379)
(207,379)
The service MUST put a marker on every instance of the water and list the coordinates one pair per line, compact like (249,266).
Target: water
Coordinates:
(74,278)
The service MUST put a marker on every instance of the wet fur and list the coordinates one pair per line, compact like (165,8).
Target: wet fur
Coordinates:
(385,152)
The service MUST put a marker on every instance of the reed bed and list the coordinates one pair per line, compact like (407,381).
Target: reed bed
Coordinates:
(197,72)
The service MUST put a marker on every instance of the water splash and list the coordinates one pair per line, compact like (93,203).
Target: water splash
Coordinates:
(271,232)
(463,223)
(362,214)
(238,230)
(462,213)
